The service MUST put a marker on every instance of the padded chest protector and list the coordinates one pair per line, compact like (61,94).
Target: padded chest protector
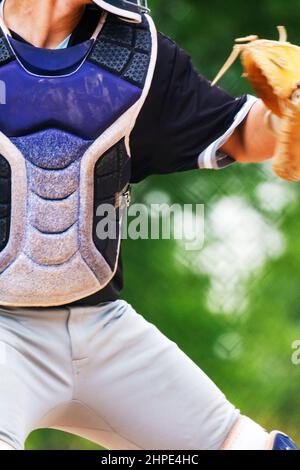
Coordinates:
(65,129)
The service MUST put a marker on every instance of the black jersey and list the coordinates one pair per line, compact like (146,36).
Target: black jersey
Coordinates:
(182,116)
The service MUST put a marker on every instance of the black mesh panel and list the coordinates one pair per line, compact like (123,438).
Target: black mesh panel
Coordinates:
(6,54)
(124,49)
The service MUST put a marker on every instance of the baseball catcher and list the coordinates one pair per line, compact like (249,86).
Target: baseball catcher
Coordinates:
(94,99)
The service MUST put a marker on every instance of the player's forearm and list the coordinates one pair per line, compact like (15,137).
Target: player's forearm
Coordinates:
(253,140)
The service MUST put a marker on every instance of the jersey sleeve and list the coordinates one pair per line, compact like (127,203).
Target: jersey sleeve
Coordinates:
(185,120)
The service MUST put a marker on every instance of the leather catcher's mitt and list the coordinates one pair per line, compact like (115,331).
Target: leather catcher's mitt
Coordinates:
(273,69)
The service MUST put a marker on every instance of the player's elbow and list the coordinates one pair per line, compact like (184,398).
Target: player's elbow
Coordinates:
(236,146)
(254,141)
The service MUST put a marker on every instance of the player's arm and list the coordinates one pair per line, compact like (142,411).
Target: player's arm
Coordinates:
(252,141)
(188,124)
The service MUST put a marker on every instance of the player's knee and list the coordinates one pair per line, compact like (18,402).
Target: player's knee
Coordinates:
(5,446)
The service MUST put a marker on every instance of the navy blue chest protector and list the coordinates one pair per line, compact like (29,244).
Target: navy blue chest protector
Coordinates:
(65,121)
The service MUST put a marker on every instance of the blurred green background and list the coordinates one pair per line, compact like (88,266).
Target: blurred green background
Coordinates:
(233,307)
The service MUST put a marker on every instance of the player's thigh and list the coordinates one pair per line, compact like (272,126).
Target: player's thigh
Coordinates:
(30,382)
(13,392)
(14,409)
(5,446)
(148,391)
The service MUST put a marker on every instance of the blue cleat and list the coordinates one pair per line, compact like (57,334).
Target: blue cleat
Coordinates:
(248,435)
(280,441)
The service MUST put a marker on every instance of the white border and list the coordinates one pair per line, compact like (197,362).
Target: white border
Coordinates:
(119,11)
(208,158)
(148,82)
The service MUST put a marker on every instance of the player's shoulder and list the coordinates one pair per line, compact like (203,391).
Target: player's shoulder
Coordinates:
(169,49)
(166,41)
(172,61)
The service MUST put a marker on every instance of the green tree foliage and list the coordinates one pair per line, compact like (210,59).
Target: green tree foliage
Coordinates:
(233,307)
